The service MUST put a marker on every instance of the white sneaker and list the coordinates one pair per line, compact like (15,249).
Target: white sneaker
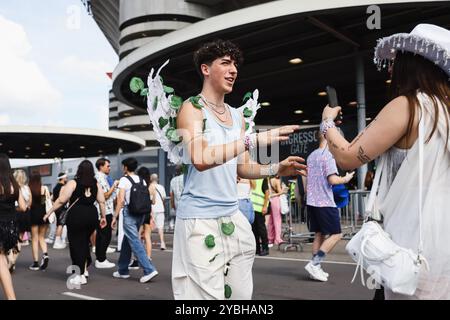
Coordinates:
(270,245)
(86,274)
(163,246)
(59,244)
(116,274)
(110,250)
(104,265)
(148,277)
(48,240)
(78,280)
(316,272)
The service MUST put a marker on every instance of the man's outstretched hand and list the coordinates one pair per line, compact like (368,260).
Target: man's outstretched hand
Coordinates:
(292,166)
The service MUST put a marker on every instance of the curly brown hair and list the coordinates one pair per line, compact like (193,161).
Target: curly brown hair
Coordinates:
(211,51)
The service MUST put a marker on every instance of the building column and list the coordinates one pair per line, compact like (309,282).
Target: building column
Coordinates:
(119,163)
(361,100)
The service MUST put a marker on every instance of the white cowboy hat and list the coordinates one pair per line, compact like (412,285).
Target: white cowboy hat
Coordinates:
(429,41)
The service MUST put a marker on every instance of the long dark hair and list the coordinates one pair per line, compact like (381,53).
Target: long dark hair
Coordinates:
(144,173)
(35,184)
(7,179)
(413,72)
(85,174)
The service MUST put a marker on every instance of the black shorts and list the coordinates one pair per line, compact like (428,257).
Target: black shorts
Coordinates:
(59,216)
(147,218)
(325,220)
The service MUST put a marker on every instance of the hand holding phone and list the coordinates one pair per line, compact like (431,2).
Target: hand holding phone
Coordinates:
(333,100)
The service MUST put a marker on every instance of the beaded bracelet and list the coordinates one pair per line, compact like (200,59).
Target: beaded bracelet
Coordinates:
(250,141)
(325,125)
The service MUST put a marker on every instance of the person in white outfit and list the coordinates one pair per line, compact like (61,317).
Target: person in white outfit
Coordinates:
(103,235)
(214,246)
(158,209)
(420,94)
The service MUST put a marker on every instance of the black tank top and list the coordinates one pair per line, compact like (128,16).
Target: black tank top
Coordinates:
(87,195)
(7,206)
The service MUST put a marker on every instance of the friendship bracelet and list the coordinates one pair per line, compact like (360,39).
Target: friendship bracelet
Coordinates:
(250,141)
(325,125)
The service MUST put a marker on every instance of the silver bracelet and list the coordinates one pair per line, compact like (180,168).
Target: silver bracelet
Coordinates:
(270,170)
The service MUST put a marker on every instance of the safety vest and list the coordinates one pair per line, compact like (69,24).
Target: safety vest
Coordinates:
(258,196)
(292,191)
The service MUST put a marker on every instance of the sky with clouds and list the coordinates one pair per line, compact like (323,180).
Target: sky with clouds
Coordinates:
(53,64)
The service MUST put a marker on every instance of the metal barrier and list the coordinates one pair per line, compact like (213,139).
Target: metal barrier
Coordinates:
(295,229)
(295,225)
(168,217)
(352,216)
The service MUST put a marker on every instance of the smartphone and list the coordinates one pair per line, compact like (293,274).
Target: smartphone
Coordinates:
(333,100)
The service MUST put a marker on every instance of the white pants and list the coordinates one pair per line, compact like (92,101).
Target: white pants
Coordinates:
(120,234)
(199,272)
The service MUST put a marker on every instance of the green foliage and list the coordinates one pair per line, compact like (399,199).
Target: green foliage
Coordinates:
(209,241)
(162,122)
(247,112)
(172,135)
(168,89)
(227,228)
(176,102)
(247,96)
(228,291)
(195,102)
(155,103)
(136,84)
(144,92)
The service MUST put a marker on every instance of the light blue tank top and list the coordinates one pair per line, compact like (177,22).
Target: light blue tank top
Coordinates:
(212,193)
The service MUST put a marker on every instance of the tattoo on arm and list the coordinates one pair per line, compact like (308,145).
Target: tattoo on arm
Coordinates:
(356,140)
(362,156)
(335,146)
(360,134)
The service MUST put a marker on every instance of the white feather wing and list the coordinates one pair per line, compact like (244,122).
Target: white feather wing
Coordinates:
(249,110)
(160,113)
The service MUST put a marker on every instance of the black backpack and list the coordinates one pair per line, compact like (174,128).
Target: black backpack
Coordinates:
(140,203)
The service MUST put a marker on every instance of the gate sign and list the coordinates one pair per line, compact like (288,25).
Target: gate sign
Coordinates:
(300,143)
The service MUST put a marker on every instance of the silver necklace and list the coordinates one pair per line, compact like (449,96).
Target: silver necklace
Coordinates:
(214,106)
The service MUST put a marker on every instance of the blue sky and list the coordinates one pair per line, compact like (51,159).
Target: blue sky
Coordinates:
(54,60)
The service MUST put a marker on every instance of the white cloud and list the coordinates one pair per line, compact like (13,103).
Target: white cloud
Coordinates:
(4,120)
(23,86)
(87,69)
(102,113)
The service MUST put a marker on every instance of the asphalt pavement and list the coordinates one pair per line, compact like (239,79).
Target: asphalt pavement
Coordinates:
(280,275)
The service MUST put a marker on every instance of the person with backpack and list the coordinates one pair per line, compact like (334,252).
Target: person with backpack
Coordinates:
(134,202)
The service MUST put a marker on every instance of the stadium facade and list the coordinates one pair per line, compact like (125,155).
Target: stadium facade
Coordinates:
(292,50)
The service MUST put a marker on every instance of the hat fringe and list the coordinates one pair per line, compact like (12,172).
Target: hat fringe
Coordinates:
(404,42)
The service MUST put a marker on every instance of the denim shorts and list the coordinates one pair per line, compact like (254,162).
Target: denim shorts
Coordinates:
(246,207)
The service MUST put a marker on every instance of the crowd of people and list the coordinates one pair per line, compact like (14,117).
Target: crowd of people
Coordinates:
(84,208)
(224,194)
